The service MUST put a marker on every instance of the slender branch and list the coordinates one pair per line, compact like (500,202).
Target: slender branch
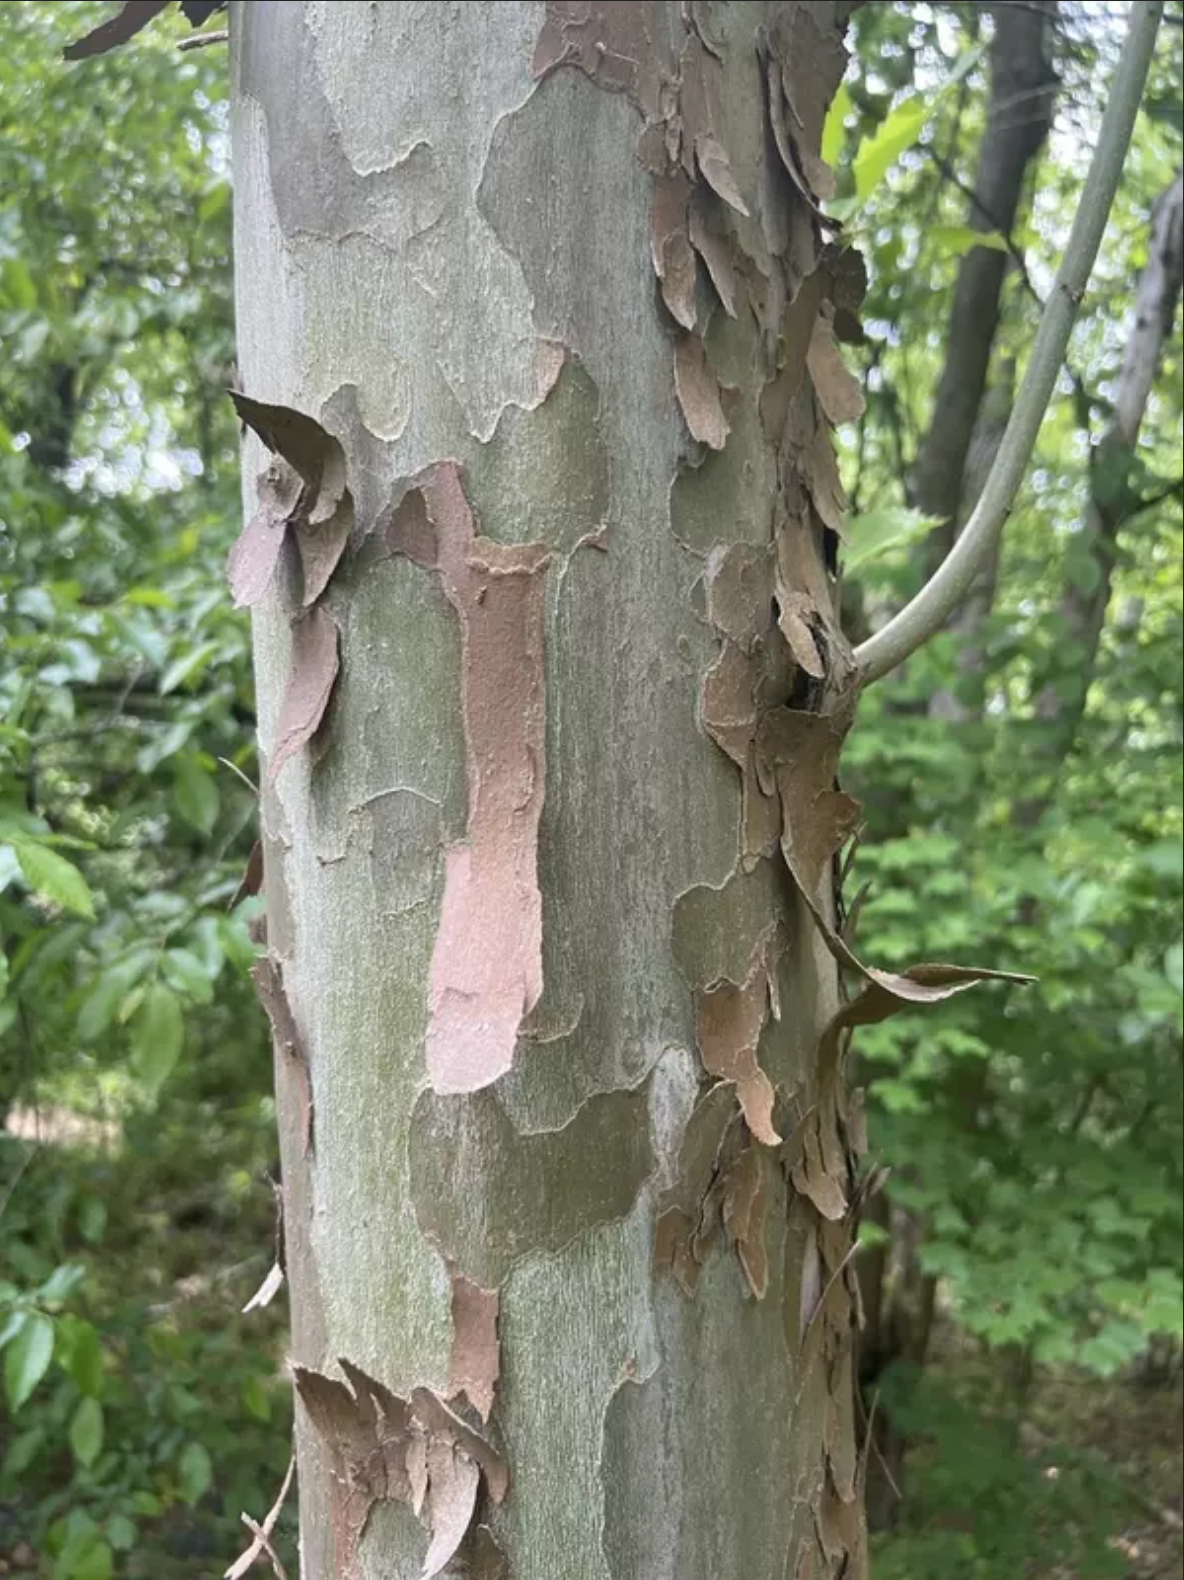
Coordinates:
(928,612)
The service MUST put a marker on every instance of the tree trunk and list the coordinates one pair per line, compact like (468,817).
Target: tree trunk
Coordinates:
(1114,501)
(1022,92)
(551,692)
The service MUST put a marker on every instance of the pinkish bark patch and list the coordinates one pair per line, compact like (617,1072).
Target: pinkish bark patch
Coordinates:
(486,973)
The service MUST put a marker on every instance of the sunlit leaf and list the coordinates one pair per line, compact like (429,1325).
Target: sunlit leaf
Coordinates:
(54,878)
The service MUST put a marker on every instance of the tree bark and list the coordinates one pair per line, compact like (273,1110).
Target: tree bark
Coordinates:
(535,312)
(1022,93)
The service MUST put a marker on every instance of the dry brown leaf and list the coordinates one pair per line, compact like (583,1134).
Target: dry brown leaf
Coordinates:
(698,393)
(312,674)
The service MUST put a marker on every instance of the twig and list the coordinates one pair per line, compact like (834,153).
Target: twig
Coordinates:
(928,612)
(200,40)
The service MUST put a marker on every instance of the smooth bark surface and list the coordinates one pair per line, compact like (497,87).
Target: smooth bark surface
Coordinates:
(551,692)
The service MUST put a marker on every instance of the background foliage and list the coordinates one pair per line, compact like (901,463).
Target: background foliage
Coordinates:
(1028,1245)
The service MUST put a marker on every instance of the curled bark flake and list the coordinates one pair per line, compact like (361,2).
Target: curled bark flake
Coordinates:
(311,677)
(670,248)
(810,1295)
(787,146)
(795,611)
(716,254)
(685,1219)
(729,1019)
(698,393)
(254,555)
(486,972)
(267,1291)
(453,1482)
(475,1360)
(716,169)
(386,1448)
(886,993)
(251,882)
(811,1178)
(440,1419)
(799,752)
(839,392)
(745,1206)
(267,975)
(262,1534)
(314,504)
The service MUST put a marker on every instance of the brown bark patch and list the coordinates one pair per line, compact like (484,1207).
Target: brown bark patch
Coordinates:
(729,1019)
(475,1363)
(486,972)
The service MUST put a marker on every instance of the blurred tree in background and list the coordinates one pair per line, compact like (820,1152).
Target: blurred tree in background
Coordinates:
(1021,780)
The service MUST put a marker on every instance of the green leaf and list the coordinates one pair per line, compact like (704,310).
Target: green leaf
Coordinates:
(257,1398)
(92,1219)
(101,1005)
(195,794)
(1173,966)
(158,1034)
(898,131)
(86,1432)
(187,667)
(121,1533)
(961,239)
(81,1355)
(183,971)
(13,1324)
(878,531)
(27,1358)
(61,1283)
(195,1473)
(53,877)
(834,128)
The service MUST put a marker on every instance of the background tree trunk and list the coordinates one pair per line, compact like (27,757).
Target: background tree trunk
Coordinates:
(549,762)
(1023,88)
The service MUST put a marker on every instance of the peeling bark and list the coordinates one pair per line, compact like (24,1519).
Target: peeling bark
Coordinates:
(570,1262)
